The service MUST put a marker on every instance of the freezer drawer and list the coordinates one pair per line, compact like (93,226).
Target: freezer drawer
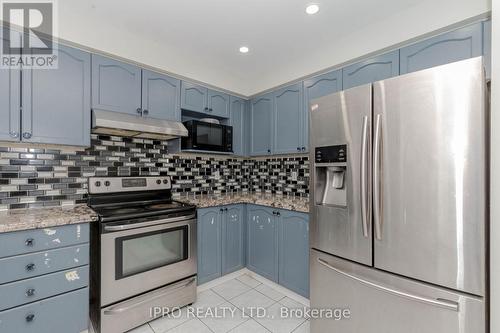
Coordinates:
(380,302)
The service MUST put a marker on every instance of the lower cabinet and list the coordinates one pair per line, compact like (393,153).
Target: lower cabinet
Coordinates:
(220,241)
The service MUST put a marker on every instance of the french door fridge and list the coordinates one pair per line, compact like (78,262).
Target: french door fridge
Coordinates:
(399,203)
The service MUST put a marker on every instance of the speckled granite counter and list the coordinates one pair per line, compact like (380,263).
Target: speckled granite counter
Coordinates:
(298,204)
(35,218)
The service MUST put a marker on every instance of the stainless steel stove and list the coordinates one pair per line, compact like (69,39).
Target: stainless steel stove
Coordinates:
(143,251)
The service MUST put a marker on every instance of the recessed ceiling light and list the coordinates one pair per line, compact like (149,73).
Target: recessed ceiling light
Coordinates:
(312,9)
(244,49)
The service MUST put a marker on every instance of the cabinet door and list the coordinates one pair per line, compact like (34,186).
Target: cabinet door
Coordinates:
(237,120)
(294,251)
(315,87)
(261,116)
(453,46)
(233,250)
(375,69)
(161,96)
(49,117)
(116,86)
(193,97)
(218,104)
(288,119)
(209,244)
(262,242)
(10,97)
(487,47)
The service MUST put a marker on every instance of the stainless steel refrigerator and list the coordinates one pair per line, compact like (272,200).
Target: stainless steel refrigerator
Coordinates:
(399,203)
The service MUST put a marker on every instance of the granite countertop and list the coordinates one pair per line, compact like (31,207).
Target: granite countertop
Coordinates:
(298,204)
(35,218)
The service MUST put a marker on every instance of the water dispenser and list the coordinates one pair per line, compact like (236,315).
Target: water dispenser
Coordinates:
(331,168)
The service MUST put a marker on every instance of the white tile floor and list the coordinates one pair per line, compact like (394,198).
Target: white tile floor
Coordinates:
(237,295)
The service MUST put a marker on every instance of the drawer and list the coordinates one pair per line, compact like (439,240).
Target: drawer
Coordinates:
(26,241)
(67,313)
(35,264)
(45,286)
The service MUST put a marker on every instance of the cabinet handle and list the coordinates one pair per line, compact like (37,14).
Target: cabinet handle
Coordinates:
(269,151)
(303,148)
(210,109)
(139,111)
(26,135)
(30,317)
(30,292)
(221,210)
(205,109)
(225,209)
(298,148)
(14,134)
(278,213)
(145,112)
(30,267)
(29,242)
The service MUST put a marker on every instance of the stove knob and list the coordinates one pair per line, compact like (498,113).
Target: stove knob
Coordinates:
(158,182)
(97,183)
(107,183)
(165,181)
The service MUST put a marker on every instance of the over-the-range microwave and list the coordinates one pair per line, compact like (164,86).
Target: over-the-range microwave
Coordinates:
(208,137)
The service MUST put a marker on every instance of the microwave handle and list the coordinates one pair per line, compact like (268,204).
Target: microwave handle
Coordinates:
(121,227)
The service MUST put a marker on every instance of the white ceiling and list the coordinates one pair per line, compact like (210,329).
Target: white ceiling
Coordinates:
(200,39)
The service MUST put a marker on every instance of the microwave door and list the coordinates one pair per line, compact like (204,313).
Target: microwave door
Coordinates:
(208,136)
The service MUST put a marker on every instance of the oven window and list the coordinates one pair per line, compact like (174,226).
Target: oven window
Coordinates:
(146,251)
(208,135)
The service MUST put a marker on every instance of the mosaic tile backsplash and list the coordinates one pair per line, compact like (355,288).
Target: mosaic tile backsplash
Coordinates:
(37,177)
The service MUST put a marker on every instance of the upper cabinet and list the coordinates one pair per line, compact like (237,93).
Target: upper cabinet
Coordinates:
(218,104)
(237,120)
(48,117)
(10,98)
(374,69)
(288,120)
(315,87)
(261,116)
(487,47)
(161,96)
(116,86)
(193,97)
(453,46)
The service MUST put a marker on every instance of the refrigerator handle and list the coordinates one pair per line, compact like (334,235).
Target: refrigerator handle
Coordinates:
(442,303)
(364,169)
(376,177)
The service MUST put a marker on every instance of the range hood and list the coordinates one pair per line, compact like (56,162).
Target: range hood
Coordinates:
(122,124)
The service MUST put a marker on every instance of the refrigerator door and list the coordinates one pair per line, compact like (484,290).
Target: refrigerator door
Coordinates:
(380,302)
(340,145)
(430,160)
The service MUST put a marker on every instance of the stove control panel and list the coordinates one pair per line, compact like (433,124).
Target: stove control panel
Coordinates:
(128,184)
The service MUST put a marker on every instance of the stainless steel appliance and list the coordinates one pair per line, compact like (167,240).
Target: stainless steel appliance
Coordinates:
(399,203)
(143,251)
(205,136)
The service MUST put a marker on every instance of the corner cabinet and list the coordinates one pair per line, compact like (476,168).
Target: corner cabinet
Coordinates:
(261,123)
(116,86)
(453,46)
(238,121)
(161,96)
(48,118)
(374,69)
(233,241)
(288,129)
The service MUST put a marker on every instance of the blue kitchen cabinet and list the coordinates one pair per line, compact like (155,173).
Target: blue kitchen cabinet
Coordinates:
(315,87)
(48,118)
(218,104)
(194,97)
(237,120)
(487,47)
(453,46)
(233,244)
(10,98)
(261,124)
(116,86)
(288,120)
(262,242)
(294,251)
(161,96)
(209,244)
(374,69)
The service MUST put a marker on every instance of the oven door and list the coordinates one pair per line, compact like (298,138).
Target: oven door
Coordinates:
(138,259)
(207,136)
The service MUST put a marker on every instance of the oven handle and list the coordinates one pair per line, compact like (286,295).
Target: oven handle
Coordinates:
(148,298)
(120,227)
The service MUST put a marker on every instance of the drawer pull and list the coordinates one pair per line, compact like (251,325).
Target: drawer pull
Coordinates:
(30,267)
(29,242)
(30,292)
(30,317)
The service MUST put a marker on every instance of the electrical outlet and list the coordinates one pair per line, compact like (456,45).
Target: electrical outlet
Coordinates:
(294,175)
